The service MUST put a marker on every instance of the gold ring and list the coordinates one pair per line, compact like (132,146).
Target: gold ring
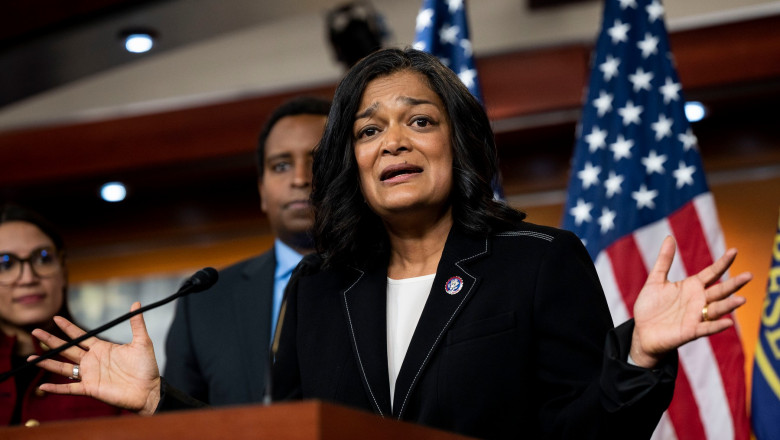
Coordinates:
(704,314)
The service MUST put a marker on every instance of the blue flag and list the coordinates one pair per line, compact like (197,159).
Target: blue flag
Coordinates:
(765,405)
(442,30)
(637,177)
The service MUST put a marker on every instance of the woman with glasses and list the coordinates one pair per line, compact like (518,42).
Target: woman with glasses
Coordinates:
(33,285)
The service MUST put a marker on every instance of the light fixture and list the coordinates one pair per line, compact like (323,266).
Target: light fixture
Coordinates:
(113,192)
(695,111)
(138,40)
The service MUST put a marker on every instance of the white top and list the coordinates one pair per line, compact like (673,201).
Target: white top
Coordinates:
(405,302)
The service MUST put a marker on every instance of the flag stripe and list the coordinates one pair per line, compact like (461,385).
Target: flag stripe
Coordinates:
(627,261)
(708,390)
(617,307)
(691,241)
(726,345)
(682,408)
(664,430)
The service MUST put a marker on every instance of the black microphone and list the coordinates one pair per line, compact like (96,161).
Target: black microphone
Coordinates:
(200,281)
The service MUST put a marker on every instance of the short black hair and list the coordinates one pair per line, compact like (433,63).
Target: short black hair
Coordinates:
(301,105)
(346,231)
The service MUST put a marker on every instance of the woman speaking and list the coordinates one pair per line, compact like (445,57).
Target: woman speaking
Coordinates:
(430,302)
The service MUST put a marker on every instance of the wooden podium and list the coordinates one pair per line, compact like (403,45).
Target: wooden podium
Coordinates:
(307,420)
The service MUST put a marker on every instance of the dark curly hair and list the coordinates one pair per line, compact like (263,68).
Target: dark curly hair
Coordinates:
(346,231)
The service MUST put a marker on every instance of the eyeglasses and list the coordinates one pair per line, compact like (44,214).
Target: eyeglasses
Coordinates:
(44,263)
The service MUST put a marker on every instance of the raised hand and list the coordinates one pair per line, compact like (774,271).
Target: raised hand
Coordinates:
(668,315)
(123,375)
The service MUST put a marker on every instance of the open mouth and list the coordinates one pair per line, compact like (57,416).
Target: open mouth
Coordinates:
(399,170)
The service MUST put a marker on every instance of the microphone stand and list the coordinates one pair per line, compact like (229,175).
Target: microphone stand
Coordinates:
(201,280)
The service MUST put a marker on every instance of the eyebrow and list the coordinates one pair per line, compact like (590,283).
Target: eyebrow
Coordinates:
(405,99)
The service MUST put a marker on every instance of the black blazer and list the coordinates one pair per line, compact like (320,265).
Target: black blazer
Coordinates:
(518,351)
(218,344)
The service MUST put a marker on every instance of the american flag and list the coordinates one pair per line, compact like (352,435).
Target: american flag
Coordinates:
(637,177)
(442,30)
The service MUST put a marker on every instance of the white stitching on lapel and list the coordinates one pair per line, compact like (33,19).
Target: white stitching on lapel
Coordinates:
(435,343)
(354,342)
(527,233)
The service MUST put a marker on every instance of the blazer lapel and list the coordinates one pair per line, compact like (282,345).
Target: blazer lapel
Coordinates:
(452,288)
(365,308)
(256,292)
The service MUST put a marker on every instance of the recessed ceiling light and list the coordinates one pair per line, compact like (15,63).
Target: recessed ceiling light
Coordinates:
(695,111)
(138,40)
(113,192)
(139,43)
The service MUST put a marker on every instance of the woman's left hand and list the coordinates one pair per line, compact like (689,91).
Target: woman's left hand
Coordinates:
(670,314)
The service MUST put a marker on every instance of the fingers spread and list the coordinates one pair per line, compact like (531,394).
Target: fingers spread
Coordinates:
(715,271)
(728,287)
(56,367)
(75,388)
(73,354)
(663,262)
(73,331)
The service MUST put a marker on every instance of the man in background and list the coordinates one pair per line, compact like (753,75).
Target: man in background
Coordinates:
(217,348)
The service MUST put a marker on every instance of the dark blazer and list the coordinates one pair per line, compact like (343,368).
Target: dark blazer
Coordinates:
(518,351)
(218,345)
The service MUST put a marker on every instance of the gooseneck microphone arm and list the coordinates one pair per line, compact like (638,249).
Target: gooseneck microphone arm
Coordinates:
(201,280)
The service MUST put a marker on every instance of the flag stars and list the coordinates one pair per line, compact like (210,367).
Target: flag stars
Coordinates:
(641,80)
(607,220)
(648,46)
(596,140)
(621,148)
(688,139)
(619,32)
(610,67)
(467,77)
(454,5)
(644,197)
(581,212)
(670,90)
(420,45)
(654,10)
(662,127)
(603,103)
(465,44)
(613,183)
(654,163)
(684,175)
(589,175)
(449,34)
(627,4)
(630,113)
(424,19)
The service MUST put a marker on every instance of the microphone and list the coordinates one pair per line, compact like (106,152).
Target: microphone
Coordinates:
(198,282)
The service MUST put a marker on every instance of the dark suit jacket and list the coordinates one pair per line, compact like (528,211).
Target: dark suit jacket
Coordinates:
(218,345)
(519,351)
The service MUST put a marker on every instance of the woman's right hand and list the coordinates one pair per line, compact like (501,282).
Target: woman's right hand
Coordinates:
(126,375)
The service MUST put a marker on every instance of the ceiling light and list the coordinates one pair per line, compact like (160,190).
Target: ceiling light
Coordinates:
(695,111)
(138,40)
(139,43)
(113,192)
